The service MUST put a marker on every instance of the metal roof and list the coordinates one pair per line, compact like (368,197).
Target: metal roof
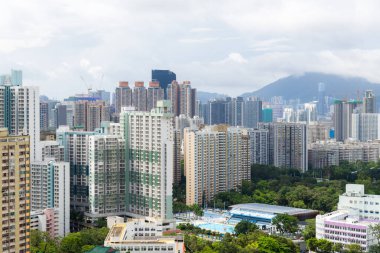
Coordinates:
(271,209)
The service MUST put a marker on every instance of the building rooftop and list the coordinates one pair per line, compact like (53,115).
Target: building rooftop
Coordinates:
(271,209)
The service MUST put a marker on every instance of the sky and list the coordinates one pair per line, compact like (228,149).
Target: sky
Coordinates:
(224,46)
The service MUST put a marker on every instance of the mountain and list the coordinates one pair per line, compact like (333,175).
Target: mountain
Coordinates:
(206,96)
(305,87)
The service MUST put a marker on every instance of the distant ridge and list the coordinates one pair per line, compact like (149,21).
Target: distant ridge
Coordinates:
(305,87)
(206,96)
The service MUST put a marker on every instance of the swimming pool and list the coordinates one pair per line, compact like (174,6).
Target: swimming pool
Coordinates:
(216,227)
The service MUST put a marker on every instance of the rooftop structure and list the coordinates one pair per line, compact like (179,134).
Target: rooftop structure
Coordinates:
(142,235)
(264,213)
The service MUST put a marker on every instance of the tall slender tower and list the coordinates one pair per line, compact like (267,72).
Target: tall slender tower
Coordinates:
(164,77)
(20,109)
(123,96)
(369,102)
(149,159)
(321,99)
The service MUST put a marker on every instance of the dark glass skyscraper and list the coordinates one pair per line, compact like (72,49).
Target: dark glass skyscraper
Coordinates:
(164,77)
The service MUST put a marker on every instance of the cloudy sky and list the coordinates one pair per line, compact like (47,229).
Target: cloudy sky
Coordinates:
(225,46)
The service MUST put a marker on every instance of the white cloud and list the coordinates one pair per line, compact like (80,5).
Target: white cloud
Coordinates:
(221,46)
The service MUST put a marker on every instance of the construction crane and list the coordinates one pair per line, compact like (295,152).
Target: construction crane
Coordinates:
(88,87)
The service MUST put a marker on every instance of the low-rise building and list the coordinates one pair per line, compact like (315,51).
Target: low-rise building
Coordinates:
(141,235)
(328,153)
(367,205)
(352,223)
(47,220)
(346,228)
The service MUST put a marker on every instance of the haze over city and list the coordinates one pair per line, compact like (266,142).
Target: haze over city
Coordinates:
(227,47)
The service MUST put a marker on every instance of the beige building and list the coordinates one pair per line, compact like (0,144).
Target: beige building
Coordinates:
(217,159)
(15,196)
(317,132)
(327,153)
(183,98)
(88,115)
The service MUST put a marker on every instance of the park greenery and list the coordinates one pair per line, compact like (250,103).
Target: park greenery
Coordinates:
(256,241)
(191,229)
(324,246)
(78,242)
(317,189)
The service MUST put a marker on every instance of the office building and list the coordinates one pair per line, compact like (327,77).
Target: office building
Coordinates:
(322,107)
(328,153)
(365,126)
(308,114)
(50,188)
(123,96)
(51,115)
(164,77)
(106,176)
(253,112)
(267,115)
(154,93)
(44,116)
(216,112)
(60,115)
(277,111)
(15,204)
(20,110)
(343,111)
(236,112)
(140,235)
(216,159)
(149,161)
(369,102)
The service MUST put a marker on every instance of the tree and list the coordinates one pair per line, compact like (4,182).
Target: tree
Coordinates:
(376,232)
(312,244)
(286,223)
(244,227)
(197,210)
(86,248)
(43,242)
(319,246)
(72,243)
(354,248)
(324,246)
(309,231)
(337,247)
(374,249)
